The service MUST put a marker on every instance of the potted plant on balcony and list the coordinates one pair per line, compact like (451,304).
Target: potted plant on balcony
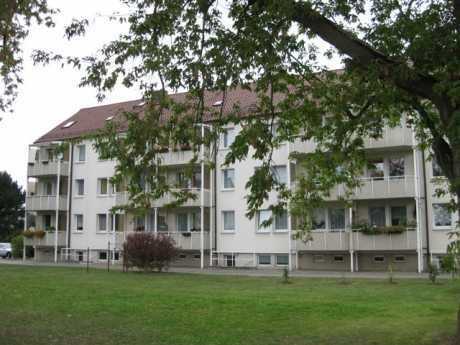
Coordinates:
(39,234)
(28,233)
(186,234)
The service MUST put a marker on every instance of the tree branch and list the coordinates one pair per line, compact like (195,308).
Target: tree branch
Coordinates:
(362,54)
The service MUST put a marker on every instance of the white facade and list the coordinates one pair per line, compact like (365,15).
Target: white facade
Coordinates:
(213,229)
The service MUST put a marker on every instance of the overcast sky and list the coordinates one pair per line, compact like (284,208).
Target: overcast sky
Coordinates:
(50,94)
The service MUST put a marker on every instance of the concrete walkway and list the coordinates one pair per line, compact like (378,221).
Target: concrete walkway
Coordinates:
(239,272)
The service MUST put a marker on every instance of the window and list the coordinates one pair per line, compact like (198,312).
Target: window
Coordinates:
(80,184)
(280,173)
(102,186)
(337,218)
(229,220)
(79,222)
(442,216)
(398,215)
(338,258)
(50,155)
(229,178)
(437,172)
(377,216)
(182,256)
(379,259)
(318,258)
(197,256)
(282,260)
(319,219)
(400,258)
(228,137)
(229,260)
(264,259)
(68,124)
(102,222)
(196,179)
(377,169)
(47,221)
(281,221)
(118,219)
(182,222)
(81,153)
(162,225)
(397,167)
(139,223)
(196,221)
(263,216)
(116,256)
(48,188)
(102,255)
(181,180)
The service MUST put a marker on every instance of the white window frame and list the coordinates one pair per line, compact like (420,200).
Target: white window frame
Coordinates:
(77,187)
(441,227)
(78,155)
(223,179)
(99,186)
(263,230)
(98,223)
(229,137)
(274,171)
(77,215)
(287,223)
(223,221)
(263,264)
(282,265)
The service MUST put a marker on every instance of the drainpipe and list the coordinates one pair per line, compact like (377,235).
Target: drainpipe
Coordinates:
(417,207)
(69,197)
(425,201)
(202,202)
(56,230)
(352,260)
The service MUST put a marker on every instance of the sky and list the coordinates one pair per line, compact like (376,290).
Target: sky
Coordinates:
(51,94)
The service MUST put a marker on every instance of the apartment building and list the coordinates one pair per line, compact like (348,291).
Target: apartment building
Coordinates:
(69,195)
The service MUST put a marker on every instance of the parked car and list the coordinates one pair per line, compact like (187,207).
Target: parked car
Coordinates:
(5,250)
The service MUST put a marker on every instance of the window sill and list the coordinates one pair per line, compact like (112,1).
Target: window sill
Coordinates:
(263,232)
(79,196)
(228,232)
(80,162)
(103,195)
(77,232)
(227,190)
(283,231)
(443,228)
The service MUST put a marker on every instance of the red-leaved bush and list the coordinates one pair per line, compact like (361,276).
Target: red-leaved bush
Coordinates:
(148,251)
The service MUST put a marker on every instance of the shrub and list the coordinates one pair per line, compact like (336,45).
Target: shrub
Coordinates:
(148,251)
(17,244)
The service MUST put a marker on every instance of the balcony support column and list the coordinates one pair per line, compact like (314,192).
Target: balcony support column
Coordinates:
(288,173)
(211,215)
(155,221)
(56,227)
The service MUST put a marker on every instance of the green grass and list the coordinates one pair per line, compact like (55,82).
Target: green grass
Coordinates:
(69,306)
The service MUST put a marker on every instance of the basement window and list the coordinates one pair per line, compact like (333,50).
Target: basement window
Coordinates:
(318,258)
(102,255)
(338,258)
(69,124)
(379,259)
(400,258)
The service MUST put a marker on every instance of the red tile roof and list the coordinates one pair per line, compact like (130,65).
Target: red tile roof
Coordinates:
(89,120)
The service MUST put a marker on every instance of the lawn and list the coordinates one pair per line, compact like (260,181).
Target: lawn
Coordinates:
(69,306)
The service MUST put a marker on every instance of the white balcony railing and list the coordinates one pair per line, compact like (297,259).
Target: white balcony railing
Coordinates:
(340,241)
(184,240)
(36,169)
(379,188)
(122,199)
(46,203)
(47,241)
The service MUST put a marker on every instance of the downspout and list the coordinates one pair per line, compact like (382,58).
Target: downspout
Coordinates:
(69,196)
(425,202)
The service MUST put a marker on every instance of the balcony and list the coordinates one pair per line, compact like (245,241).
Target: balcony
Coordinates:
(326,240)
(179,157)
(404,241)
(122,199)
(183,240)
(379,188)
(47,241)
(392,138)
(37,169)
(46,203)
(340,241)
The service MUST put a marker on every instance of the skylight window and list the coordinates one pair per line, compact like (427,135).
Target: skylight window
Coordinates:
(110,118)
(218,103)
(69,124)
(141,104)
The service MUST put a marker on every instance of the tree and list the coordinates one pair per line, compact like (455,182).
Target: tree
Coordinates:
(12,199)
(15,19)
